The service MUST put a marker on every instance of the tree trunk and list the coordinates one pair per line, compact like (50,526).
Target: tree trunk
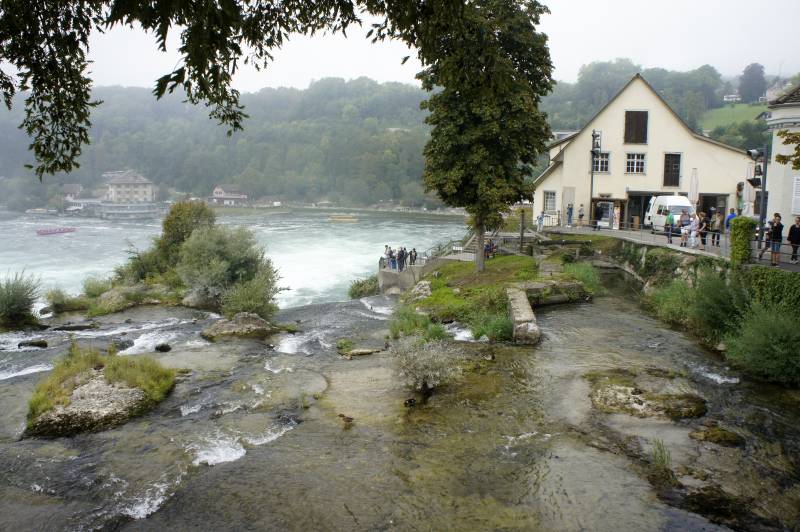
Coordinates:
(480,235)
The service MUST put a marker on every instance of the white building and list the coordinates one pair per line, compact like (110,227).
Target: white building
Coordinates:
(129,187)
(645,150)
(228,195)
(783,183)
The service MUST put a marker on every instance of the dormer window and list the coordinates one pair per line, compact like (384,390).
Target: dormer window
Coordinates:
(635,127)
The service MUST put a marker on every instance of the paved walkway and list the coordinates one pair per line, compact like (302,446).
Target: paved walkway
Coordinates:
(646,237)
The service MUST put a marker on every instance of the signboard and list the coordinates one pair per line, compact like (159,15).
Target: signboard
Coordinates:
(796,195)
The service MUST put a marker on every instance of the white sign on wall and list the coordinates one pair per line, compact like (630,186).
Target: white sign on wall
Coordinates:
(796,195)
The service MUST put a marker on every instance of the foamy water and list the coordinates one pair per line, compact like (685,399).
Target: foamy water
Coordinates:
(19,371)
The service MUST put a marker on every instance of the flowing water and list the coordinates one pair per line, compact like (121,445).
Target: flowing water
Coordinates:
(252,438)
(316,258)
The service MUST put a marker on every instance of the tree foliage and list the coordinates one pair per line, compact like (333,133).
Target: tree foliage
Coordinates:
(487,127)
(752,84)
(46,44)
(790,138)
(745,135)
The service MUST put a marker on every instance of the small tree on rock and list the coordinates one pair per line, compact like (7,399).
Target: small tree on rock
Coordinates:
(487,127)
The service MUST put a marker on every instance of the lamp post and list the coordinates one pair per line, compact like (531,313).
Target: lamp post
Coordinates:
(763,154)
(595,151)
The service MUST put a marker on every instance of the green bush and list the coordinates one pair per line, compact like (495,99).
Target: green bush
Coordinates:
(716,305)
(256,295)
(587,275)
(59,301)
(765,343)
(742,231)
(773,287)
(364,287)
(141,265)
(407,322)
(95,286)
(214,258)
(671,303)
(183,218)
(18,293)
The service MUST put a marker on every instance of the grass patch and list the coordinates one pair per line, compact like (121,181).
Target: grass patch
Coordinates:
(364,287)
(671,302)
(59,301)
(496,327)
(500,271)
(95,286)
(730,114)
(343,345)
(661,466)
(586,274)
(72,371)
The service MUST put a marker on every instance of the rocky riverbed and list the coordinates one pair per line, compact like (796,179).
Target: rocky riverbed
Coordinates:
(286,433)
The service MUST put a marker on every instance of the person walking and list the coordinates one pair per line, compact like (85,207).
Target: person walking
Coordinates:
(569,215)
(794,239)
(413,256)
(598,215)
(703,226)
(776,239)
(767,239)
(401,259)
(717,224)
(392,259)
(580,215)
(669,224)
(694,225)
(540,222)
(684,221)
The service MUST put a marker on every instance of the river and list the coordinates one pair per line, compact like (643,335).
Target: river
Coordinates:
(316,258)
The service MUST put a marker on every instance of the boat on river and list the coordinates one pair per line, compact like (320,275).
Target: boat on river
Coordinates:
(342,218)
(55,231)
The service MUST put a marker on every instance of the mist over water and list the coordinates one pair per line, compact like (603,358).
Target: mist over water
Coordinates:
(316,258)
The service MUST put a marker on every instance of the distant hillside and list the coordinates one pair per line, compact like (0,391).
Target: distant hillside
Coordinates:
(730,114)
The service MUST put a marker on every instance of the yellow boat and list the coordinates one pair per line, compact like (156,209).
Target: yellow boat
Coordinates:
(342,218)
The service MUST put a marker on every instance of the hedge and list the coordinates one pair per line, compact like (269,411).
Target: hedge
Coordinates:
(742,230)
(773,287)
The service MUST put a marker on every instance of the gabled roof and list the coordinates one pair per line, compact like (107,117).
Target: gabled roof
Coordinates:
(790,97)
(230,188)
(129,177)
(676,115)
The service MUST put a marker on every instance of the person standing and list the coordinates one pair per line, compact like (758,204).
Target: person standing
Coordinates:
(694,225)
(569,215)
(669,224)
(729,219)
(540,222)
(401,258)
(685,221)
(598,215)
(703,224)
(776,239)
(717,224)
(794,239)
(392,259)
(580,215)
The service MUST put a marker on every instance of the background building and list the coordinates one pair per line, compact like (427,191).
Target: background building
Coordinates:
(228,195)
(783,183)
(129,187)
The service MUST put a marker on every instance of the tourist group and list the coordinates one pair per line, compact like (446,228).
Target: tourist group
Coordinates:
(399,258)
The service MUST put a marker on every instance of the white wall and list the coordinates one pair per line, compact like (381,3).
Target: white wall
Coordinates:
(783,183)
(719,168)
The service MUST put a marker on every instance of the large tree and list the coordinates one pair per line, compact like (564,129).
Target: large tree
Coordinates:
(487,127)
(46,42)
(752,84)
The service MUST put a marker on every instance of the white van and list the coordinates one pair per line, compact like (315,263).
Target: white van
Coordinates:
(661,205)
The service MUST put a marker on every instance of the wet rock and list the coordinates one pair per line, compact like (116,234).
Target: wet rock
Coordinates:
(42,344)
(94,405)
(197,300)
(45,310)
(244,324)
(77,326)
(719,436)
(682,406)
(121,344)
(360,352)
(421,291)
(393,291)
(163,348)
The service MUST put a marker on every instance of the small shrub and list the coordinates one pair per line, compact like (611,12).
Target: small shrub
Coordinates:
(183,218)
(773,287)
(661,465)
(343,345)
(671,303)
(407,322)
(60,301)
(436,331)
(18,293)
(364,287)
(587,275)
(424,366)
(765,343)
(95,286)
(141,265)
(256,295)
(445,305)
(567,257)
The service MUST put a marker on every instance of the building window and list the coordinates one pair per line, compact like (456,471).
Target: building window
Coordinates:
(672,169)
(601,162)
(635,127)
(635,163)
(549,201)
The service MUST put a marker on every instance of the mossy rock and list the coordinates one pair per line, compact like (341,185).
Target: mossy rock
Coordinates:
(681,406)
(719,436)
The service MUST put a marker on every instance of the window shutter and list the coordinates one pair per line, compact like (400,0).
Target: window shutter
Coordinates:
(635,127)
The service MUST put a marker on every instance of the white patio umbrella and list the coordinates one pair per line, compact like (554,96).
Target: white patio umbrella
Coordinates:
(694,188)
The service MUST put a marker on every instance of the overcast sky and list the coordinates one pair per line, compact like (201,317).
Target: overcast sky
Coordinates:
(677,35)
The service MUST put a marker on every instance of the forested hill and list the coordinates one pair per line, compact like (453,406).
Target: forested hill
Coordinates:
(356,141)
(348,141)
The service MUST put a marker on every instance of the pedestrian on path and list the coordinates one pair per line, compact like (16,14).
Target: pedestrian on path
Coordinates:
(694,225)
(540,222)
(669,224)
(717,224)
(569,215)
(794,239)
(776,239)
(729,219)
(401,259)
(703,224)
(685,221)
(580,215)
(598,214)
(413,256)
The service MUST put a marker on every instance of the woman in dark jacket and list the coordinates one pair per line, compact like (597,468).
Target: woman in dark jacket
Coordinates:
(794,239)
